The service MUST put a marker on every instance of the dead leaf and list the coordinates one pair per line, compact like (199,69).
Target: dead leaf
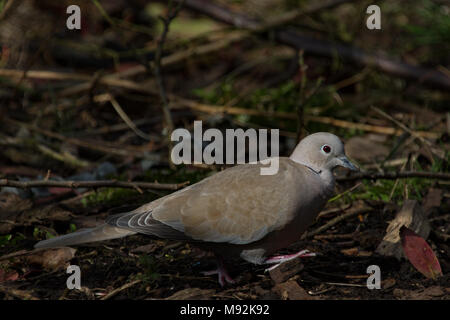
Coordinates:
(290,290)
(355,252)
(410,215)
(8,276)
(285,270)
(388,283)
(52,259)
(148,248)
(420,254)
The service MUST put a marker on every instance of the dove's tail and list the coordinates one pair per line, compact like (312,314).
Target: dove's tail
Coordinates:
(100,233)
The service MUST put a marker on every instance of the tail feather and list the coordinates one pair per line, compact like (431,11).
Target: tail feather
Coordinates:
(100,233)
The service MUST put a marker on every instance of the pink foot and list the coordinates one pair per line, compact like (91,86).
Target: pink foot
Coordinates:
(222,273)
(277,260)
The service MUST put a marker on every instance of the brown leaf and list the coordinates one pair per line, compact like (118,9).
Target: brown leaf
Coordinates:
(388,283)
(148,248)
(420,254)
(8,276)
(285,270)
(52,259)
(412,216)
(292,291)
(355,252)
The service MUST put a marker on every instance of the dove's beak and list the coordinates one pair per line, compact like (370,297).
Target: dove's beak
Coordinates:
(344,162)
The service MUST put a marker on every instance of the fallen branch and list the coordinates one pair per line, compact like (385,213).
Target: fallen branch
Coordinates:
(90,184)
(395,175)
(336,220)
(122,288)
(324,48)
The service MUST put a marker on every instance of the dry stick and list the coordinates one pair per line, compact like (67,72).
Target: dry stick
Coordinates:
(401,125)
(127,119)
(172,13)
(124,287)
(395,175)
(323,47)
(6,7)
(91,184)
(336,220)
(64,157)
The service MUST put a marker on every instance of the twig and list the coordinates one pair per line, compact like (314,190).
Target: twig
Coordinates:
(350,190)
(334,236)
(122,288)
(6,7)
(172,13)
(395,175)
(127,119)
(65,157)
(400,125)
(90,184)
(336,220)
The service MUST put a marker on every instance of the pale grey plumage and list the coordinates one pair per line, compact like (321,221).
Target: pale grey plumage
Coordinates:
(236,212)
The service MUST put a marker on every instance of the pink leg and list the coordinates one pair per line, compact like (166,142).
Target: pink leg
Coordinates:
(277,260)
(222,273)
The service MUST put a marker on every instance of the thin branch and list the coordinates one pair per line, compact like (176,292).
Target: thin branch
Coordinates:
(6,8)
(91,184)
(122,288)
(395,175)
(127,119)
(336,220)
(172,13)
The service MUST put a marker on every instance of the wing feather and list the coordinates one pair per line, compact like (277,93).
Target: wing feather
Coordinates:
(237,206)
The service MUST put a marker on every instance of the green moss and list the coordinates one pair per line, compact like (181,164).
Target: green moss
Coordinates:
(111,196)
(150,267)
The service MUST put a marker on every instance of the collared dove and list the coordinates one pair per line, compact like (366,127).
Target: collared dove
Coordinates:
(236,212)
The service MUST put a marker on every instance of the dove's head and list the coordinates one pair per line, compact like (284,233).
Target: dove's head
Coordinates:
(322,151)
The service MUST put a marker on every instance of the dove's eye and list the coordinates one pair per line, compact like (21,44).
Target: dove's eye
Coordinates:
(326,149)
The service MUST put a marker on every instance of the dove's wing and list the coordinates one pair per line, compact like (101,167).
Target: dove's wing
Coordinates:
(237,206)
